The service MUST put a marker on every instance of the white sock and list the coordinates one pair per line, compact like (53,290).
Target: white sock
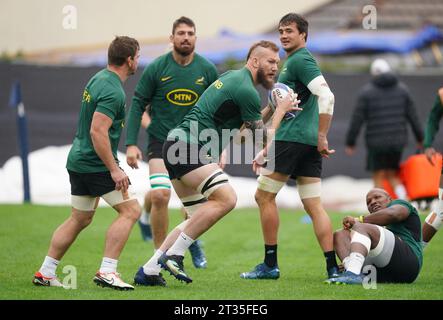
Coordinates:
(400,191)
(355,263)
(346,262)
(145,217)
(439,208)
(152,267)
(108,265)
(49,267)
(180,245)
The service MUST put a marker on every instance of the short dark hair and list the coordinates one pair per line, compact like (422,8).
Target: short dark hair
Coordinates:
(181,20)
(301,23)
(264,44)
(120,49)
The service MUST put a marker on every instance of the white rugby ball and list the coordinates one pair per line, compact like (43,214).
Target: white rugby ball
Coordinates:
(280,90)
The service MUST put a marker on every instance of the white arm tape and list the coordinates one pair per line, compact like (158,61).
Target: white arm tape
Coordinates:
(319,87)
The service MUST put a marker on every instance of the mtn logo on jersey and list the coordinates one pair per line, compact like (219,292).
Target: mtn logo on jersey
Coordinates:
(182,97)
(200,81)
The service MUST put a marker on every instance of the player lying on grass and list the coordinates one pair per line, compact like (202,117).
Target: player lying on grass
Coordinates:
(389,238)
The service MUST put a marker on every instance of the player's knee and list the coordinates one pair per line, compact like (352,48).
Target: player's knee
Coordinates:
(314,208)
(360,227)
(160,198)
(340,236)
(82,220)
(263,197)
(226,200)
(131,210)
(230,201)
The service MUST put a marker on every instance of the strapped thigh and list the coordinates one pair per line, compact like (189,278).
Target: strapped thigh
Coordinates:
(212,183)
(84,203)
(192,203)
(115,197)
(269,185)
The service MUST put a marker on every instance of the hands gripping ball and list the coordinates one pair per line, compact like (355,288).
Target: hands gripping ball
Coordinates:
(281,91)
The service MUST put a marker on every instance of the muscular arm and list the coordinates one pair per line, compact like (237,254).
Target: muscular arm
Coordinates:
(320,88)
(100,139)
(146,120)
(383,217)
(257,127)
(266,114)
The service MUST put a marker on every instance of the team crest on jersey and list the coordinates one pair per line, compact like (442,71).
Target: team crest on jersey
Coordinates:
(200,81)
(182,97)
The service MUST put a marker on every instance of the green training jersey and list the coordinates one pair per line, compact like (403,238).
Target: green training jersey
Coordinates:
(224,106)
(171,90)
(104,93)
(298,71)
(408,230)
(433,122)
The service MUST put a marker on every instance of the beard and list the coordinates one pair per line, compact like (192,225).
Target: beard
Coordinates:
(263,80)
(184,51)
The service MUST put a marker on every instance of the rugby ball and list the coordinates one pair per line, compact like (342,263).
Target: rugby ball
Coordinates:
(280,90)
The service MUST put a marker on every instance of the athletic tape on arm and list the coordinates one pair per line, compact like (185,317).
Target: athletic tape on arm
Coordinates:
(319,87)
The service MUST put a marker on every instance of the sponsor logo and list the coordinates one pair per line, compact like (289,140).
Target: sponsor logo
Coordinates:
(163,79)
(173,266)
(108,281)
(182,97)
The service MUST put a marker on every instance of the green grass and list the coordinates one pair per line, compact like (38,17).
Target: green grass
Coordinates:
(232,246)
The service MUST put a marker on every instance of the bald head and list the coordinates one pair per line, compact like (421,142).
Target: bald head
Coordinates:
(379,190)
(377,199)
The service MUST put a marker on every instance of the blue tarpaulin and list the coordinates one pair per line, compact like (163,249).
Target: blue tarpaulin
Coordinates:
(335,42)
(231,45)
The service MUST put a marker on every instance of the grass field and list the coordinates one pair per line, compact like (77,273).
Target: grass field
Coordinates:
(233,246)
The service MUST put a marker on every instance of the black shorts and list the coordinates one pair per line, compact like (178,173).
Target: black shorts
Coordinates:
(402,268)
(155,147)
(184,159)
(294,159)
(93,184)
(383,159)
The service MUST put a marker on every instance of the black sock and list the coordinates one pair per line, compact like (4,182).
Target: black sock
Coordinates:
(330,259)
(271,255)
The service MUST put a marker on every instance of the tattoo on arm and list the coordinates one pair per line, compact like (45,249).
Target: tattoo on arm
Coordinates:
(258,128)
